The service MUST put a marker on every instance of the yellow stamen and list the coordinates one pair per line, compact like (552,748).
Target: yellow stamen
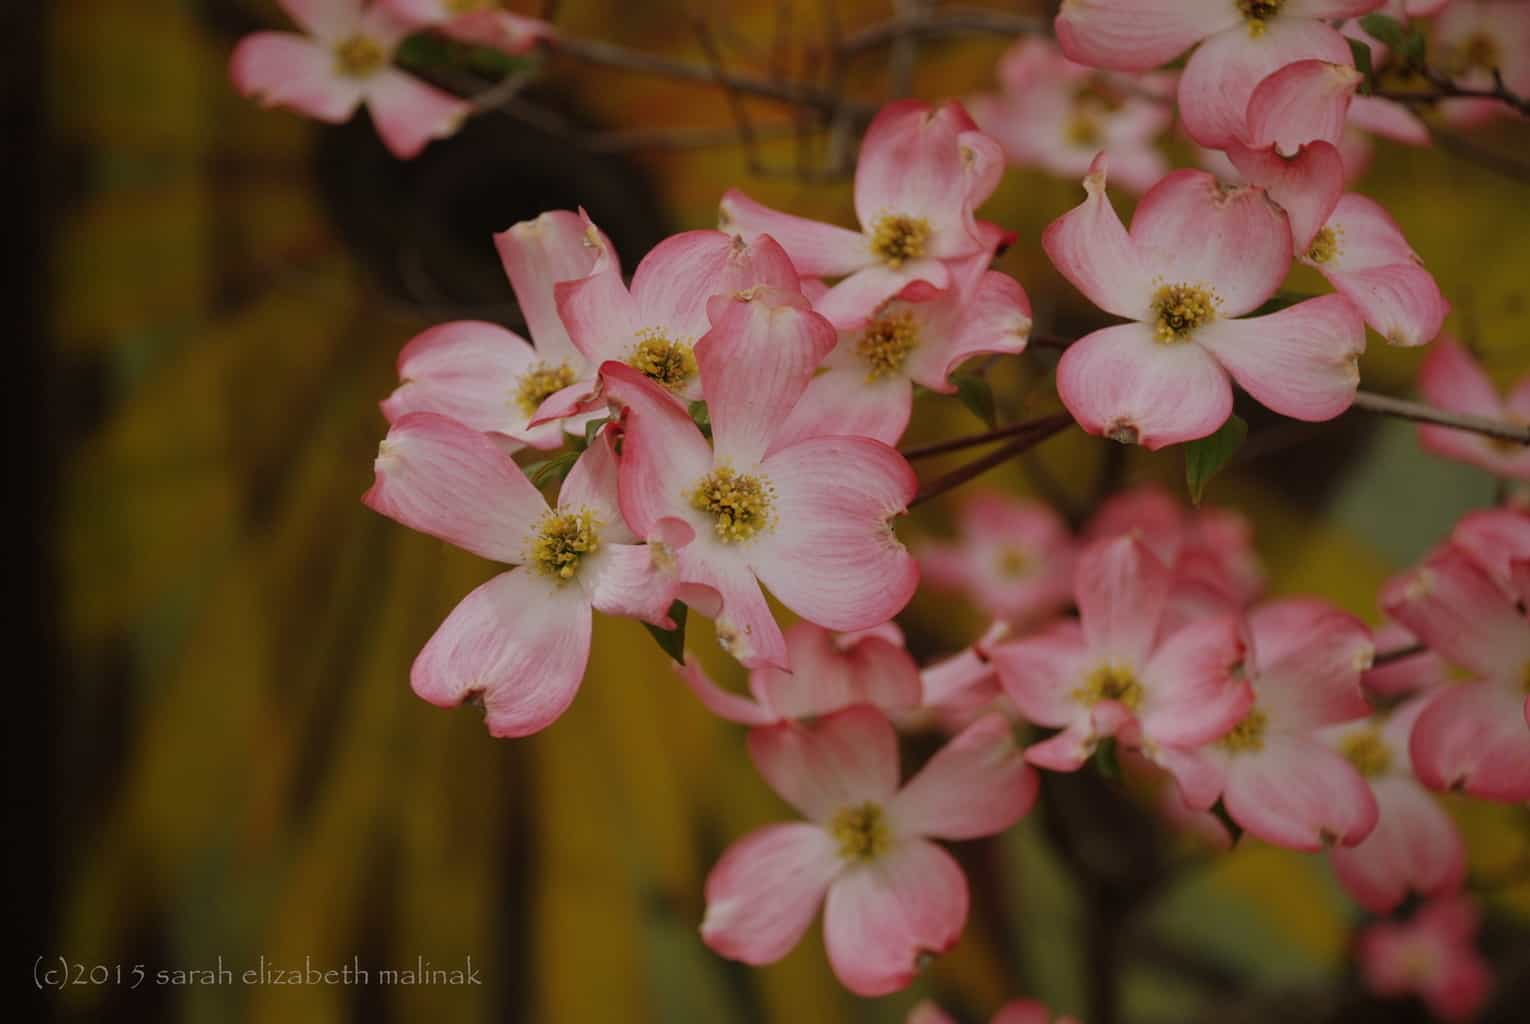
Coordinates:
(670,364)
(540,382)
(1111,681)
(1013,563)
(1257,12)
(1324,247)
(740,506)
(359,56)
(1181,308)
(1365,749)
(563,541)
(896,239)
(887,342)
(861,832)
(1248,735)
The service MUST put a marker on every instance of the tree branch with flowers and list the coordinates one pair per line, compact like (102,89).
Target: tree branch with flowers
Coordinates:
(723,422)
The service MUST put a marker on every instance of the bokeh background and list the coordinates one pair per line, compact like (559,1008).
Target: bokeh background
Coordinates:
(220,745)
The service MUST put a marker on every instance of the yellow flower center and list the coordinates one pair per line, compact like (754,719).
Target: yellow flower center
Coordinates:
(1365,749)
(1324,247)
(1180,309)
(1248,735)
(897,239)
(1013,563)
(1111,681)
(861,832)
(1257,12)
(563,541)
(540,382)
(886,343)
(670,364)
(1481,50)
(359,56)
(740,506)
(1083,130)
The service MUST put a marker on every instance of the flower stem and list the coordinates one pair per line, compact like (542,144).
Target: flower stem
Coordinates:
(1033,434)
(1420,413)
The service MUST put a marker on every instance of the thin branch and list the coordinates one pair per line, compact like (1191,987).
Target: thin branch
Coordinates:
(1447,88)
(736,103)
(1471,152)
(1419,413)
(1042,430)
(496,96)
(974,440)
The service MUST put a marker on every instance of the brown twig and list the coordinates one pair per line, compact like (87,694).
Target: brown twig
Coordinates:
(946,22)
(1466,149)
(1385,405)
(736,105)
(1447,88)
(974,440)
(1040,431)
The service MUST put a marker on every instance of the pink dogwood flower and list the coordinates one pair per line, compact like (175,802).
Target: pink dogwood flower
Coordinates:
(922,172)
(1432,956)
(811,519)
(1117,672)
(1019,1011)
(1199,257)
(1453,380)
(1055,115)
(491,378)
(344,59)
(479,22)
(1473,40)
(918,337)
(891,897)
(1275,777)
(963,687)
(520,642)
(1415,846)
(1474,735)
(1363,254)
(1013,558)
(1241,42)
(829,672)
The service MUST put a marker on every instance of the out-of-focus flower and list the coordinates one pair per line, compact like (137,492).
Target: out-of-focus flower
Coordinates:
(345,59)
(1473,39)
(922,173)
(1118,672)
(480,22)
(520,642)
(1452,380)
(1019,1011)
(1275,777)
(891,897)
(1056,115)
(1433,957)
(1240,44)
(1013,558)
(963,687)
(1199,256)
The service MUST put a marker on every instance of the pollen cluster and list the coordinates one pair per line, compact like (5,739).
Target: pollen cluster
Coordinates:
(1247,736)
(897,239)
(540,382)
(740,505)
(1257,12)
(1181,308)
(1365,749)
(1111,681)
(1083,129)
(563,541)
(359,56)
(886,343)
(1013,563)
(861,832)
(1324,247)
(670,364)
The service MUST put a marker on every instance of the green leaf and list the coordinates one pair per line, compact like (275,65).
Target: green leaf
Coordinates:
(1107,759)
(593,428)
(1205,458)
(702,417)
(977,396)
(671,640)
(1384,28)
(1363,64)
(551,470)
(1413,48)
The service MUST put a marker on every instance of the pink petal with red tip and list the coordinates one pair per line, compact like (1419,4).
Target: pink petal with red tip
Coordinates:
(1456,607)
(851,302)
(499,30)
(1297,793)
(1092,249)
(409,114)
(1415,848)
(845,759)
(1307,186)
(282,69)
(325,19)
(1306,101)
(663,452)
(993,318)
(1039,672)
(1305,661)
(1120,588)
(978,784)
(1122,383)
(881,921)
(441,478)
(519,642)
(539,253)
(1389,119)
(1474,738)
(833,557)
(1190,693)
(843,402)
(724,704)
(764,892)
(825,677)
(601,317)
(1301,362)
(1372,264)
(911,165)
(1136,35)
(816,249)
(746,627)
(672,284)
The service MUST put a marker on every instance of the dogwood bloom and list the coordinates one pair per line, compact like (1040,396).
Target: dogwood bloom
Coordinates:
(1199,256)
(491,378)
(921,174)
(829,672)
(1454,381)
(891,897)
(1473,39)
(1053,114)
(811,519)
(1432,956)
(480,22)
(1473,736)
(1241,42)
(1275,777)
(1013,558)
(1415,846)
(919,337)
(1117,672)
(520,642)
(963,687)
(343,60)
(1020,1011)
(1363,254)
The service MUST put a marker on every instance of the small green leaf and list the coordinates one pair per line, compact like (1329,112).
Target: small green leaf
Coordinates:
(593,428)
(551,470)
(1383,28)
(702,417)
(1363,64)
(1205,458)
(1234,829)
(671,640)
(1413,48)
(977,396)
(1107,759)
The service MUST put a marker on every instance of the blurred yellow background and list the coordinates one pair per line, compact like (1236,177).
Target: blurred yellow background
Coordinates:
(242,769)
